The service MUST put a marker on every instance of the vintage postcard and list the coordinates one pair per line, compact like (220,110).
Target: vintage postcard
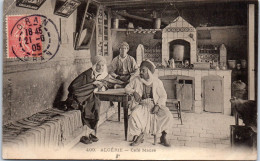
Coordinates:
(130,79)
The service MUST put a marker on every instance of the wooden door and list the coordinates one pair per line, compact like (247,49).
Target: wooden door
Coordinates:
(185,94)
(169,82)
(180,87)
(169,86)
(213,96)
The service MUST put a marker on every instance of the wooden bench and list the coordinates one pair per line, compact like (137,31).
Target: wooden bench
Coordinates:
(51,128)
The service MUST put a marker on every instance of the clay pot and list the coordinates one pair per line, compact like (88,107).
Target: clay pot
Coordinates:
(243,63)
(178,52)
(115,23)
(157,23)
(172,63)
(238,85)
(238,89)
(130,25)
(232,64)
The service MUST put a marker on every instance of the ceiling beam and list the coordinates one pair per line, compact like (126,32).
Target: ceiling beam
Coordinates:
(164,7)
(114,3)
(124,13)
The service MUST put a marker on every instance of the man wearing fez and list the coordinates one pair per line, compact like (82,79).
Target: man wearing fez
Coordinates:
(149,112)
(123,66)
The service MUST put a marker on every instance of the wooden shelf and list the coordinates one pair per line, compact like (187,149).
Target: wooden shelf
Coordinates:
(219,27)
(136,30)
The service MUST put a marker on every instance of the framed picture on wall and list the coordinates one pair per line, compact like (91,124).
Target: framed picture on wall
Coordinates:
(66,8)
(32,4)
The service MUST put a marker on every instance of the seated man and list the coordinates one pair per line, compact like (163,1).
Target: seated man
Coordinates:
(149,112)
(81,95)
(124,65)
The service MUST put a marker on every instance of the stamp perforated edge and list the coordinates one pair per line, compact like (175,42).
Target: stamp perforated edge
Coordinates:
(7,36)
(25,15)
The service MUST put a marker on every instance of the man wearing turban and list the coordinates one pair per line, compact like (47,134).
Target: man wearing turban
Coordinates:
(81,95)
(149,112)
(124,65)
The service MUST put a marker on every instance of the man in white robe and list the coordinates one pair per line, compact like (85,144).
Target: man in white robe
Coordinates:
(149,111)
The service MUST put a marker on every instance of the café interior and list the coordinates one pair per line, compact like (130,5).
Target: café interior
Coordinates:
(205,51)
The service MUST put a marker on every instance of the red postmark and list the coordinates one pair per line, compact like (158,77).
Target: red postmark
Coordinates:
(32,37)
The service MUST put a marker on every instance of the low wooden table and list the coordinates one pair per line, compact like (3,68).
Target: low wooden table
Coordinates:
(117,95)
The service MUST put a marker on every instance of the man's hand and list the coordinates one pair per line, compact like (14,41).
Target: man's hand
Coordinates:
(155,109)
(99,84)
(124,78)
(118,86)
(113,75)
(137,97)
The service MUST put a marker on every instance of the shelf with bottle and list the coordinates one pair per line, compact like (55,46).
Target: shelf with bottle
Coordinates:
(208,53)
(208,49)
(136,30)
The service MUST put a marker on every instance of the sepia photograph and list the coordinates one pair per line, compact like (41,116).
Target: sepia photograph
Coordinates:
(129,79)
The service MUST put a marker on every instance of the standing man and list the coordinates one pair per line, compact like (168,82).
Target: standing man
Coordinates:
(123,66)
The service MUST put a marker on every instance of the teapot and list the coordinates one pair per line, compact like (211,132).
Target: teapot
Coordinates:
(172,63)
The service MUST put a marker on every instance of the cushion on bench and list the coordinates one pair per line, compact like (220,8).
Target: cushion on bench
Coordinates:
(51,128)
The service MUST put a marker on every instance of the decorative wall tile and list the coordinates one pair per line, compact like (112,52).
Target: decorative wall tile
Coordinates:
(179,72)
(212,72)
(174,72)
(204,73)
(168,72)
(185,72)
(191,73)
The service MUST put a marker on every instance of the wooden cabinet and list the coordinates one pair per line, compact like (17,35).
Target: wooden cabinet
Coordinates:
(169,83)
(218,99)
(181,88)
(185,92)
(86,21)
(103,32)
(212,87)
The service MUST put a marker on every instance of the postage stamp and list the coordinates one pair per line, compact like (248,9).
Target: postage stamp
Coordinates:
(32,38)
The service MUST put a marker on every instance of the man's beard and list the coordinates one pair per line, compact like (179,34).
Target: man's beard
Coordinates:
(147,81)
(144,77)
(100,71)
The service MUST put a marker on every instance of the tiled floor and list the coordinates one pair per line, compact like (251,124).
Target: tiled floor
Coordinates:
(202,136)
